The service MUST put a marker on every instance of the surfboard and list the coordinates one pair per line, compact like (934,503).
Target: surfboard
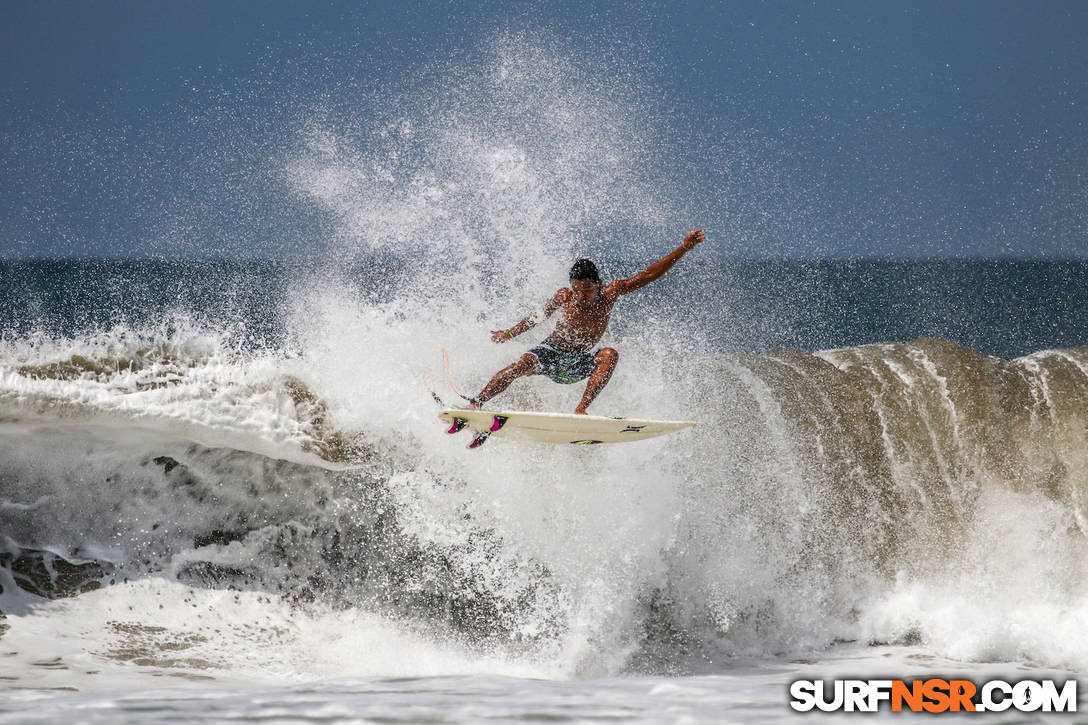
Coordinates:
(556,427)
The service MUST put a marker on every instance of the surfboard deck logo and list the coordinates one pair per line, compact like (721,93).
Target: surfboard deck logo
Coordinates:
(555,427)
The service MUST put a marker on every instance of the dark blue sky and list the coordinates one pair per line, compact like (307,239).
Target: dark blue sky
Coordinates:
(823,129)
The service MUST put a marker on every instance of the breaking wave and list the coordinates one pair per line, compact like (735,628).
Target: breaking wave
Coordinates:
(892,493)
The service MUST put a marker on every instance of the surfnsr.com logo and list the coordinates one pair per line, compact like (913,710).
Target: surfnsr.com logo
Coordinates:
(933,695)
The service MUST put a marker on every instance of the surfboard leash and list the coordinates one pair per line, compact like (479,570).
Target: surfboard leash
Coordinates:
(430,389)
(449,380)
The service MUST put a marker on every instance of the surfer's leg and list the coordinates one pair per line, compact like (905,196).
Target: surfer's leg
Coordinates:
(605,361)
(526,365)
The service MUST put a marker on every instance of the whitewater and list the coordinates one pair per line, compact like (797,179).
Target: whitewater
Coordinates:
(224,493)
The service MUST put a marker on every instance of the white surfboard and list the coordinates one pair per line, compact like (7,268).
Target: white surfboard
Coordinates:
(557,427)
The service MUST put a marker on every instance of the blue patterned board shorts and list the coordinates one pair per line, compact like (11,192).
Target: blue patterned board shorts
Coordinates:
(561,366)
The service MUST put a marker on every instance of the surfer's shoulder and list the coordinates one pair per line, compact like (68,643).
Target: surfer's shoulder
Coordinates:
(559,299)
(563,295)
(615,288)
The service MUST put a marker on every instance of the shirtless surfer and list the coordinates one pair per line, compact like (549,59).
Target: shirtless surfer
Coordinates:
(565,355)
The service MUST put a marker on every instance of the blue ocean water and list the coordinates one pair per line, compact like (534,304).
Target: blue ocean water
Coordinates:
(1006,308)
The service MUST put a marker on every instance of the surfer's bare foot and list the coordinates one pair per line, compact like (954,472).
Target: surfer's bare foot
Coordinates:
(580,411)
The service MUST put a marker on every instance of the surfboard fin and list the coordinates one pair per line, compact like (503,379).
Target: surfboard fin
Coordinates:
(479,440)
(458,425)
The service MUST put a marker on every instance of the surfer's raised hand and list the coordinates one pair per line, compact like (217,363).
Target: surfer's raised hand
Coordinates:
(695,237)
(500,336)
(658,268)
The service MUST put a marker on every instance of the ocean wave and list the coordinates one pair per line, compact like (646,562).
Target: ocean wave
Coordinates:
(822,497)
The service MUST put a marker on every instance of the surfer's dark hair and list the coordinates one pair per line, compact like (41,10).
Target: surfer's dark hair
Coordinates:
(585,269)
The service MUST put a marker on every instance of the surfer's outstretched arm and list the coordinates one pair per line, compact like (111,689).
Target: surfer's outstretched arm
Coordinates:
(557,301)
(658,269)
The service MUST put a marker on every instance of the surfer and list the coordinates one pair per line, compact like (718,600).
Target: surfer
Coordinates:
(564,356)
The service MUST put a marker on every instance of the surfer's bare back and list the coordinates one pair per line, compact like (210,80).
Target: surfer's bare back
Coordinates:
(587,305)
